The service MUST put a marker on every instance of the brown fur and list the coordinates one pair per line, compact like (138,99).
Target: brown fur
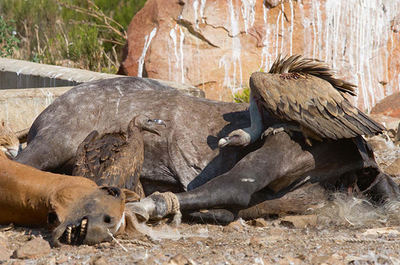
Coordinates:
(29,197)
(8,139)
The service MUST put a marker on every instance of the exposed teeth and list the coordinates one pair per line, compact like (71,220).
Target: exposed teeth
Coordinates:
(69,232)
(83,227)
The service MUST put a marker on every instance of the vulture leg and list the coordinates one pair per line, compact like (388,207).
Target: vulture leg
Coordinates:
(283,127)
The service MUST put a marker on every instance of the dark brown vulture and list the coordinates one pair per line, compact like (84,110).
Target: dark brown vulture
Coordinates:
(305,95)
(115,159)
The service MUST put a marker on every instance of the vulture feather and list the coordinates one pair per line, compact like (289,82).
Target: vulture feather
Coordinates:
(115,159)
(306,93)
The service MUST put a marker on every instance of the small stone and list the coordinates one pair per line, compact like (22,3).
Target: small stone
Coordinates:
(291,261)
(394,168)
(377,232)
(233,227)
(61,259)
(258,241)
(5,253)
(299,221)
(276,232)
(259,222)
(98,260)
(179,260)
(47,261)
(262,261)
(35,248)
(327,260)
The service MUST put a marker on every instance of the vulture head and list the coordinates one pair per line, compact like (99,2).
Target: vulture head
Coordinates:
(236,138)
(144,123)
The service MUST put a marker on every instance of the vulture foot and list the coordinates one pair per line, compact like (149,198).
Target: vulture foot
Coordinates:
(283,127)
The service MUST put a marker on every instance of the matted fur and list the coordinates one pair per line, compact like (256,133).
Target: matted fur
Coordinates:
(8,139)
(358,212)
(301,65)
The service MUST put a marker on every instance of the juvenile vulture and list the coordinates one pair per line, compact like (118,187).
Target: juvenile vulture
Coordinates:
(305,96)
(115,159)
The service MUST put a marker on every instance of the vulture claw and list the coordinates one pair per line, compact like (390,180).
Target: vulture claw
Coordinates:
(272,130)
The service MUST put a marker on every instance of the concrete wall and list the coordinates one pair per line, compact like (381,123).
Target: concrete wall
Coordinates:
(20,107)
(27,88)
(23,74)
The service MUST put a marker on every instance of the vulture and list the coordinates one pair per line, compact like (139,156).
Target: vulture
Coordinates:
(115,159)
(303,94)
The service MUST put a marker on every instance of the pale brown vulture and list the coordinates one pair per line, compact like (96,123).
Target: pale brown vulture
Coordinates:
(304,94)
(115,159)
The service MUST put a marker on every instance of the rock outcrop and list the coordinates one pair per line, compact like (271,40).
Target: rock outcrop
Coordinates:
(389,106)
(216,45)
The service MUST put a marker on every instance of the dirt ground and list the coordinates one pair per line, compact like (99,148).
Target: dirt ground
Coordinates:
(258,242)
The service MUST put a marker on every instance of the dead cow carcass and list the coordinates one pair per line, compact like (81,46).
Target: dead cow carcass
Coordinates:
(186,160)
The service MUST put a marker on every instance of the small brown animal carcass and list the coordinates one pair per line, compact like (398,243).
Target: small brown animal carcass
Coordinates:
(115,159)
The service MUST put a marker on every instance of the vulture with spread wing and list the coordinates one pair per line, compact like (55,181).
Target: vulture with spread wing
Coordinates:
(115,159)
(305,95)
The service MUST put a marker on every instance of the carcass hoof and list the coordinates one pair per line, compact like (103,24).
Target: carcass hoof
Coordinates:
(138,210)
(142,209)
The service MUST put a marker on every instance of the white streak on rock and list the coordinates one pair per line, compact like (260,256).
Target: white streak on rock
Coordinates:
(182,37)
(147,41)
(248,13)
(196,18)
(202,7)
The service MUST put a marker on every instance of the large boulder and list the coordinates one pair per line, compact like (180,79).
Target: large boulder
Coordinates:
(215,45)
(389,106)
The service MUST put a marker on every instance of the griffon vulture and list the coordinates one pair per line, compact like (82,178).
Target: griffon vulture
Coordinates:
(305,96)
(115,159)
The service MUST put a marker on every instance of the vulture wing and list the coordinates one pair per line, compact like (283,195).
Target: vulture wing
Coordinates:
(305,91)
(81,166)
(98,153)
(125,170)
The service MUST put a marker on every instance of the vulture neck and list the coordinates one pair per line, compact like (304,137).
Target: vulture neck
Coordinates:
(256,128)
(134,131)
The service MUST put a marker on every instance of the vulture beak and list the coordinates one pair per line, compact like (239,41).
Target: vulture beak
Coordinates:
(224,142)
(236,138)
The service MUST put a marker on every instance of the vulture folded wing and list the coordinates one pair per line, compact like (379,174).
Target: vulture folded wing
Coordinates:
(313,102)
(81,166)
(124,171)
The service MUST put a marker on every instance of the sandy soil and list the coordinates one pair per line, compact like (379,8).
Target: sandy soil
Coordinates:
(258,242)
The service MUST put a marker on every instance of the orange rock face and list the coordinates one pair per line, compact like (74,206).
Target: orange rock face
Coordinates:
(215,45)
(389,106)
